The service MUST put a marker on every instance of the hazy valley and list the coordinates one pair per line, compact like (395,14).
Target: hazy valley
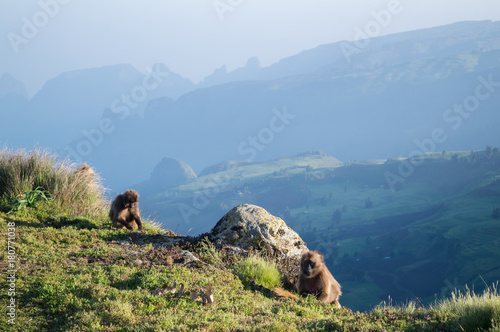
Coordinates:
(388,225)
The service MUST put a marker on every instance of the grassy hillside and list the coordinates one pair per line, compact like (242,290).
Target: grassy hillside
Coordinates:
(76,274)
(433,233)
(68,270)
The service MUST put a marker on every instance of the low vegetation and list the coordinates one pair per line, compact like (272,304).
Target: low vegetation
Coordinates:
(476,311)
(260,270)
(73,272)
(77,274)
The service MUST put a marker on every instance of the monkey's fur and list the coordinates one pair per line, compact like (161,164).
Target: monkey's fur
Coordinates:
(85,170)
(124,211)
(283,293)
(315,278)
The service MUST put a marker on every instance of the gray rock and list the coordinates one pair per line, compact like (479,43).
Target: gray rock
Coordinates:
(188,259)
(249,225)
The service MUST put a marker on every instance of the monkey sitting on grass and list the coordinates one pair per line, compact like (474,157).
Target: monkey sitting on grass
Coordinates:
(124,211)
(315,278)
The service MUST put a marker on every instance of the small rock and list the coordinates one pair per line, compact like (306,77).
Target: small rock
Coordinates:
(189,259)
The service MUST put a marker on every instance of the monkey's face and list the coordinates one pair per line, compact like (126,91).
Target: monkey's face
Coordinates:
(308,268)
(131,198)
(311,264)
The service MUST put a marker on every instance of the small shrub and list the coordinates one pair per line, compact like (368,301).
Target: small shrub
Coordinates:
(26,199)
(209,253)
(259,269)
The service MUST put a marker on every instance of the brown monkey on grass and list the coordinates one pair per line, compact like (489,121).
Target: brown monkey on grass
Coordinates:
(315,278)
(85,170)
(84,175)
(124,211)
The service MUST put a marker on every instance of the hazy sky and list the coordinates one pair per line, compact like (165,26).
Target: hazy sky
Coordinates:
(41,39)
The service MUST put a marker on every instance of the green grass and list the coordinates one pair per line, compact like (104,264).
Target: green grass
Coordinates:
(259,269)
(78,274)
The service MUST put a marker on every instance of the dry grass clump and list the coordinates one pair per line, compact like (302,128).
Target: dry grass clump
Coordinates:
(477,312)
(78,191)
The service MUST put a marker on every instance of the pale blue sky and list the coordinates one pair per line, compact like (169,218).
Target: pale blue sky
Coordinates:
(191,37)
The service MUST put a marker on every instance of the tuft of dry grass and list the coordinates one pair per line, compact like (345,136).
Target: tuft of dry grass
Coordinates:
(78,193)
(477,312)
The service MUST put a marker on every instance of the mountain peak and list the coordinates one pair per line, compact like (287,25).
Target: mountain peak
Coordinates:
(171,171)
(253,63)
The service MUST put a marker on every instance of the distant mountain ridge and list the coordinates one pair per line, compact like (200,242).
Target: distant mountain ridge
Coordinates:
(378,103)
(360,115)
(75,100)
(461,37)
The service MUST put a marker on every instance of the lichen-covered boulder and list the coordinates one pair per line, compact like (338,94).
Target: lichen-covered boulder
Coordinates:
(249,225)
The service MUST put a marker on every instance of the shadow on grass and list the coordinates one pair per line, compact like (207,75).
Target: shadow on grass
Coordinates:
(140,238)
(79,223)
(250,284)
(130,284)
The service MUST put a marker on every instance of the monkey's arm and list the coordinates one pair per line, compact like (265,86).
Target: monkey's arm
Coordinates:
(303,287)
(323,296)
(138,221)
(299,286)
(124,223)
(323,288)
